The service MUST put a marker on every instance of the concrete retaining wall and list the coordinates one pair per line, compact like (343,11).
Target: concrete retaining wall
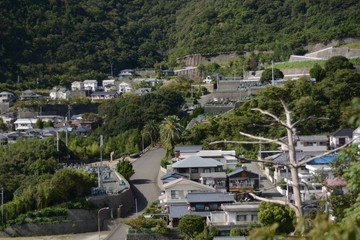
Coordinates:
(153,236)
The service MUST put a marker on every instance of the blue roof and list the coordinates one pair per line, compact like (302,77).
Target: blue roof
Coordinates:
(324,160)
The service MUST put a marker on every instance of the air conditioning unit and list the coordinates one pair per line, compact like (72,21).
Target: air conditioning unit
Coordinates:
(207,208)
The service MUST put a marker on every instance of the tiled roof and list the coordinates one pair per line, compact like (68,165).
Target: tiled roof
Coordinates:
(183,181)
(196,162)
(198,197)
(348,132)
(238,171)
(338,181)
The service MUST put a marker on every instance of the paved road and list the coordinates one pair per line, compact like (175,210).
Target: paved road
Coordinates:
(144,186)
(268,189)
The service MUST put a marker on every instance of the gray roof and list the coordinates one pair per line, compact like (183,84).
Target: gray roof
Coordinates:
(284,156)
(188,148)
(177,211)
(199,197)
(348,132)
(196,162)
(172,176)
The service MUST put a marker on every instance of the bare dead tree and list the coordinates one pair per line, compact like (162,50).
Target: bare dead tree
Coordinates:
(293,164)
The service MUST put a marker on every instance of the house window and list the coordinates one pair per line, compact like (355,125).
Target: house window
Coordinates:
(254,218)
(207,170)
(199,207)
(218,169)
(194,170)
(175,194)
(213,206)
(182,170)
(241,218)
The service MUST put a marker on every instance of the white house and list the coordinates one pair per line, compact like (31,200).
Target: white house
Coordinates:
(6,97)
(127,73)
(125,87)
(341,137)
(24,124)
(109,85)
(234,215)
(59,93)
(90,85)
(175,192)
(309,143)
(77,86)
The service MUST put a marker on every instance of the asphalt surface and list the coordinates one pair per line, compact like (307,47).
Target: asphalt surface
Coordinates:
(144,186)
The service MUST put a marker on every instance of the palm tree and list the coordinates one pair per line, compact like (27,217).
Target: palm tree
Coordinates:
(152,130)
(170,132)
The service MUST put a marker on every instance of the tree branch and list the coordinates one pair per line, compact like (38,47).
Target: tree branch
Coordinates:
(281,202)
(271,115)
(324,154)
(266,140)
(308,118)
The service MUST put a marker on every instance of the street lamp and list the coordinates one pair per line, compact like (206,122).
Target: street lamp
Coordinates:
(105,208)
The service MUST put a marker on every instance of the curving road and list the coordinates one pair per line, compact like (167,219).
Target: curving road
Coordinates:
(144,186)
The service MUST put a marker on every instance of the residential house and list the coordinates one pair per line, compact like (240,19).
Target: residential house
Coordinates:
(241,181)
(199,203)
(238,215)
(52,118)
(226,157)
(340,137)
(91,85)
(103,95)
(109,85)
(124,87)
(309,143)
(150,81)
(8,118)
(193,166)
(142,91)
(311,175)
(29,94)
(336,186)
(59,93)
(77,86)
(171,177)
(216,180)
(6,97)
(127,73)
(176,191)
(24,123)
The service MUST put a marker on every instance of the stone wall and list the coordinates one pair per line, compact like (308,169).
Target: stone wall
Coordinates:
(196,59)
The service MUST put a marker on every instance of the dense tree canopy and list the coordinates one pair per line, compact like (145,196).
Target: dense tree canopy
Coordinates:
(46,42)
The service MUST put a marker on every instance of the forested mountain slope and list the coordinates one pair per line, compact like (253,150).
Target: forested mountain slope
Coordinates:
(58,41)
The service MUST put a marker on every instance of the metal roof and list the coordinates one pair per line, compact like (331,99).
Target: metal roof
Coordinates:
(197,162)
(178,211)
(324,160)
(200,197)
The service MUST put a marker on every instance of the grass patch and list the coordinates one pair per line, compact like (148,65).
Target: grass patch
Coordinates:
(309,64)
(352,45)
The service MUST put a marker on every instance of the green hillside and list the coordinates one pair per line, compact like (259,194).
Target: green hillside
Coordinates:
(59,41)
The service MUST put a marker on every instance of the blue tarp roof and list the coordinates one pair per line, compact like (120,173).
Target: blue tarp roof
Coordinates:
(324,160)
